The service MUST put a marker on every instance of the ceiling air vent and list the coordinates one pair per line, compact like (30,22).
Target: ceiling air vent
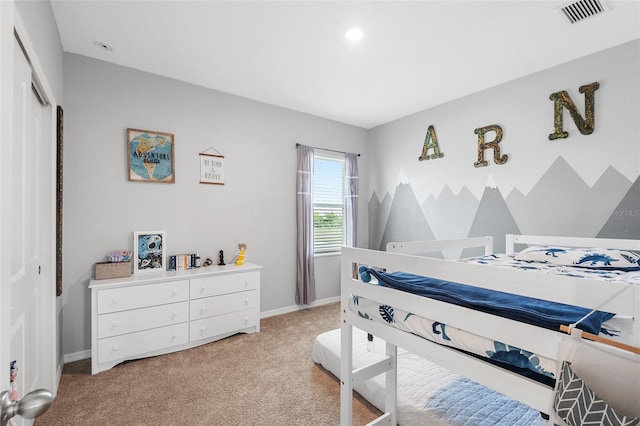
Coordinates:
(582,9)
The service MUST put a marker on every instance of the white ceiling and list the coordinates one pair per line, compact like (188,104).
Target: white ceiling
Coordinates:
(414,54)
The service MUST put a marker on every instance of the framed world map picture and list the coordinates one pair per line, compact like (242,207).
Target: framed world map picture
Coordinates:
(150,156)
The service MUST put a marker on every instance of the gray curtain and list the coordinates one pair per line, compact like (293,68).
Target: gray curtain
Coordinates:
(351,201)
(306,281)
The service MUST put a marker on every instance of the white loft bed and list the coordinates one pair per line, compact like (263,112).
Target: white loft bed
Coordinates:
(616,297)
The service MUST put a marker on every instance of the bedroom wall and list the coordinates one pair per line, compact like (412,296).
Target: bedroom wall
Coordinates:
(584,185)
(256,205)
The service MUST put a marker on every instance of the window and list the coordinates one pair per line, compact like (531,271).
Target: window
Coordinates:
(328,203)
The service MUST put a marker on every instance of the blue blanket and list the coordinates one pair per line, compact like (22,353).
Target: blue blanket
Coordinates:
(464,402)
(520,308)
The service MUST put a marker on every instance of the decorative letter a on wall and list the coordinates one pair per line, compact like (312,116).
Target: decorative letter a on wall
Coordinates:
(430,142)
(561,99)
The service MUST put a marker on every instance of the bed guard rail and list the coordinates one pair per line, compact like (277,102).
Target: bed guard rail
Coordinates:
(427,246)
(511,240)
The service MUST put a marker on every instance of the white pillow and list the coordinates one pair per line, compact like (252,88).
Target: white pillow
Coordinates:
(595,258)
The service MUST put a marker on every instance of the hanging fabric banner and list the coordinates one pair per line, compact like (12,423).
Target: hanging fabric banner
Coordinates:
(211,168)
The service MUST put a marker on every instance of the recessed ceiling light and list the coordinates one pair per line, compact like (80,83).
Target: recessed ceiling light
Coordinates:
(103,46)
(354,34)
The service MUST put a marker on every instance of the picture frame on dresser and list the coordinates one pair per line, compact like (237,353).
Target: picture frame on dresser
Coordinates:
(149,251)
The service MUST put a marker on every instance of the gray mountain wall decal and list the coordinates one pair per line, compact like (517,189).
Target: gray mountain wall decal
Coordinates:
(450,216)
(378,214)
(624,219)
(492,218)
(561,203)
(406,221)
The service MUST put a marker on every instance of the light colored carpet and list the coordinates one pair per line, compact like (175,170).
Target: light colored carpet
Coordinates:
(266,378)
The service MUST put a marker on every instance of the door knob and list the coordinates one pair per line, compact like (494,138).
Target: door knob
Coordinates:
(30,406)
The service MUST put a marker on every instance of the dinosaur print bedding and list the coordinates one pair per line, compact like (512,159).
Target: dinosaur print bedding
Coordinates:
(438,332)
(502,352)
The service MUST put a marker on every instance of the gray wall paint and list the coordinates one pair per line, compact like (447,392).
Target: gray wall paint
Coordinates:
(579,186)
(43,33)
(256,205)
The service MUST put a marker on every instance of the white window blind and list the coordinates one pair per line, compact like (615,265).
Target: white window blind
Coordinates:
(328,204)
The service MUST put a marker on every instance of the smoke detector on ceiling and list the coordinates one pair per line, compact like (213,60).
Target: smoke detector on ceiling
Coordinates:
(582,9)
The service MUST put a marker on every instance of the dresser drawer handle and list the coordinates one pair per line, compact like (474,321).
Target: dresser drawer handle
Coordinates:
(203,310)
(116,348)
(246,283)
(174,293)
(246,302)
(174,336)
(114,326)
(201,289)
(115,300)
(201,330)
(174,314)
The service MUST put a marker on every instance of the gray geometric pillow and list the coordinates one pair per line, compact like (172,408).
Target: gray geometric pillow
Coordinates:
(578,405)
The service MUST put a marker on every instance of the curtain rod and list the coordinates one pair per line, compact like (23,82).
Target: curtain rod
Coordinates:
(325,149)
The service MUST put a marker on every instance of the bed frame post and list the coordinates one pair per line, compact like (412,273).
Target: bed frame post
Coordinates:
(391,385)
(346,385)
(635,331)
(509,244)
(346,344)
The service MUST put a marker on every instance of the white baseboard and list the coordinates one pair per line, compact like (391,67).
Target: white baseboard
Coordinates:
(77,356)
(293,308)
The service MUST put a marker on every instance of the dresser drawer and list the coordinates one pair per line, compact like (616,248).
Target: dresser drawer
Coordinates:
(134,344)
(124,322)
(142,296)
(218,305)
(224,284)
(221,324)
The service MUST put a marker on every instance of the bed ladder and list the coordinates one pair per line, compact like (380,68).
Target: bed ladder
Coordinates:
(349,378)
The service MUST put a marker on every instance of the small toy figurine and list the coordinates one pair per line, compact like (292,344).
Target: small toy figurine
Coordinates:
(208,262)
(240,258)
(221,258)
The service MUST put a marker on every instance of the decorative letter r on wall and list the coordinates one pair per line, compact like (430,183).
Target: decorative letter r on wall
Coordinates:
(489,145)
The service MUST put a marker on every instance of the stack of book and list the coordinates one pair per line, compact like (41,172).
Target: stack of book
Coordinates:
(181,262)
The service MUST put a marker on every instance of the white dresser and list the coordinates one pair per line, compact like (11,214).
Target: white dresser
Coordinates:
(155,313)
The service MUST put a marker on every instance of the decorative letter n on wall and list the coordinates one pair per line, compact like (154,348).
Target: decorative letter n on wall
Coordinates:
(489,145)
(431,136)
(561,99)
